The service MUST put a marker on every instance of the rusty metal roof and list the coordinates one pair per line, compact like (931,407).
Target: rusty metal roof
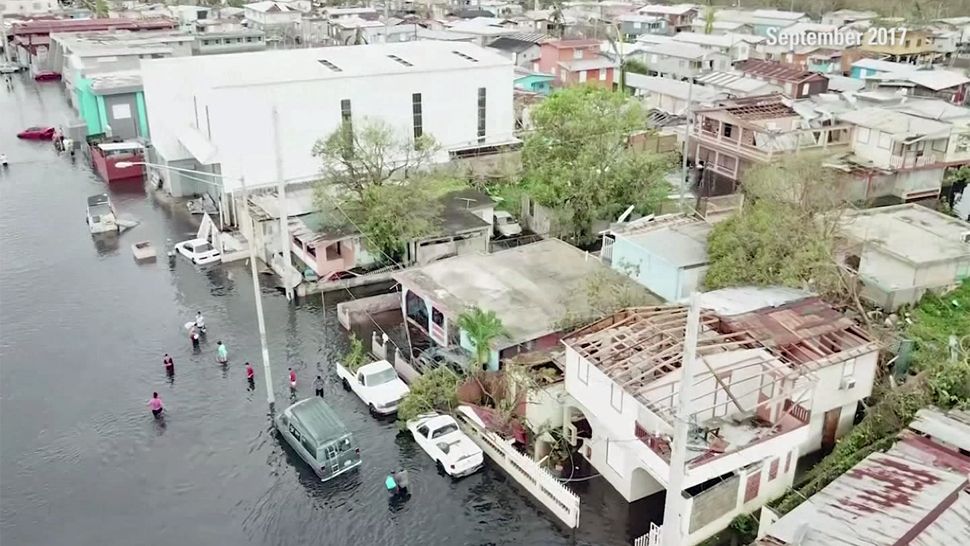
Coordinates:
(807,330)
(777,71)
(884,500)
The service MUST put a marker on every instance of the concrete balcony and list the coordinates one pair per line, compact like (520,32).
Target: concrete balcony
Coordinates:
(913,162)
(828,138)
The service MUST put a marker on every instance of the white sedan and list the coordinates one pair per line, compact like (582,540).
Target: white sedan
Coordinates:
(199,251)
(453,451)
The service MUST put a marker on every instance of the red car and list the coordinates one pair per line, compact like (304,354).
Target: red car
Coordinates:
(37,133)
(47,76)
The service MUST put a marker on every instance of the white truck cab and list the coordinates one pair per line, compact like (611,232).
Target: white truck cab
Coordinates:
(376,384)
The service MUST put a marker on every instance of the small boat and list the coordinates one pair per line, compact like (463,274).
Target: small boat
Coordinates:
(101,215)
(143,251)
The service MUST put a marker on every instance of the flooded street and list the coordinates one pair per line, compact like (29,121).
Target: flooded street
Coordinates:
(83,330)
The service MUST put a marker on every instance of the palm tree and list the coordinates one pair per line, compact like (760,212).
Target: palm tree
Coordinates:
(482,328)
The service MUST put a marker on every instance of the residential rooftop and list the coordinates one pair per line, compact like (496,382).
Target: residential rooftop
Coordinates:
(48,26)
(717,40)
(915,493)
(884,66)
(677,50)
(776,71)
(900,125)
(759,107)
(910,232)
(457,215)
(676,9)
(299,65)
(733,81)
(531,287)
(679,241)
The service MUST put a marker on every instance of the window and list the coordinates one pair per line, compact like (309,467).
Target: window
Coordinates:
(787,462)
(416,115)
(582,371)
(447,429)
(577,54)
(297,242)
(728,130)
(481,114)
(330,65)
(885,140)
(249,38)
(848,369)
(616,397)
(602,74)
(773,469)
(862,135)
(582,76)
(753,485)
(805,88)
(205,42)
(437,317)
(939,145)
(423,430)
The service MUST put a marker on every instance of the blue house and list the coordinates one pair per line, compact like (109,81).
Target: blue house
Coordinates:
(866,68)
(533,82)
(666,254)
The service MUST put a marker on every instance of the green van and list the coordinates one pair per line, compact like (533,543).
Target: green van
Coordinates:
(318,435)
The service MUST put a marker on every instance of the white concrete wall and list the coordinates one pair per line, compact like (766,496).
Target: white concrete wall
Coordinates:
(828,394)
(543,406)
(874,145)
(241,118)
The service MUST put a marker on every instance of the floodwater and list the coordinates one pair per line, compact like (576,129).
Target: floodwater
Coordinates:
(82,333)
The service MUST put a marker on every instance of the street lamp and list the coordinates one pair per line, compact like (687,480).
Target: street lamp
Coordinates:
(270,396)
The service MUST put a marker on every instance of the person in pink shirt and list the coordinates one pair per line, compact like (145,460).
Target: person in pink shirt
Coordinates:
(250,372)
(292,379)
(156,405)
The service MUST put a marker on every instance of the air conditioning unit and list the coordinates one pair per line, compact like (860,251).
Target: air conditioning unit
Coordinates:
(965,237)
(848,384)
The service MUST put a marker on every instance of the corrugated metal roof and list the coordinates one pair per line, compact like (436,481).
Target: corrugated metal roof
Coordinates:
(883,500)
(952,427)
(775,70)
(733,82)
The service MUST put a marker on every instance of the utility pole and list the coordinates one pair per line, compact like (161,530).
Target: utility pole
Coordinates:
(671,534)
(387,20)
(284,217)
(257,293)
(683,166)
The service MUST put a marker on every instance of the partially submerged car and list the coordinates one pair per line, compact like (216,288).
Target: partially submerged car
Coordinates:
(319,437)
(453,452)
(199,251)
(505,224)
(101,215)
(36,133)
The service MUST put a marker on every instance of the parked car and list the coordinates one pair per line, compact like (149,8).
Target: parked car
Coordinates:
(505,224)
(436,357)
(9,67)
(47,76)
(453,452)
(376,384)
(199,251)
(36,133)
(319,437)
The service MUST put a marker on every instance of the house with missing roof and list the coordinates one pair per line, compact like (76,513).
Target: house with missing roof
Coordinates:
(776,382)
(901,252)
(917,492)
(534,289)
(730,136)
(737,47)
(736,85)
(634,25)
(796,82)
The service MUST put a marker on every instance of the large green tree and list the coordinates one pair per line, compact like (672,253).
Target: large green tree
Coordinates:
(786,233)
(578,163)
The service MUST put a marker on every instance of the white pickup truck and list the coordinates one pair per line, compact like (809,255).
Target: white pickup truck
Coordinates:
(377,384)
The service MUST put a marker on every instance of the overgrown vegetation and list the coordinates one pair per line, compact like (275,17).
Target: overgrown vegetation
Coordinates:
(356,356)
(786,232)
(607,291)
(577,162)
(435,391)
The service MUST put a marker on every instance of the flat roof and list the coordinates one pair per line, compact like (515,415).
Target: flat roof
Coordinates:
(671,87)
(531,288)
(458,211)
(588,64)
(717,40)
(898,124)
(734,81)
(678,50)
(910,232)
(326,63)
(47,26)
(681,242)
(676,9)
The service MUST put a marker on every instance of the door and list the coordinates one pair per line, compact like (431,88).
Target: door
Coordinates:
(830,426)
(121,113)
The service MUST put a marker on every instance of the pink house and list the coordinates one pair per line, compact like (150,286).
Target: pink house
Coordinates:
(324,249)
(574,62)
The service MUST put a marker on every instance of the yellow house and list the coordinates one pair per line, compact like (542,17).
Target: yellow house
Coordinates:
(899,44)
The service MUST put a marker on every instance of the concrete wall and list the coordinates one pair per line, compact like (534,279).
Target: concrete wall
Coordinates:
(872,144)
(829,394)
(351,311)
(653,272)
(121,112)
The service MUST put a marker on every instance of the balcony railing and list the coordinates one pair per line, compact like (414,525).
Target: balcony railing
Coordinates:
(763,154)
(911,162)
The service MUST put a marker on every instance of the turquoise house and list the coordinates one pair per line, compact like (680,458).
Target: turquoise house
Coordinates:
(112,104)
(533,82)
(667,255)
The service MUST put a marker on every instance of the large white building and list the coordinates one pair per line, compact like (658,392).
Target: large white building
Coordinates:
(216,113)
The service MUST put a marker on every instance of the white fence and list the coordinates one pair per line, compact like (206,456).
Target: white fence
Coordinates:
(401,363)
(542,485)
(652,538)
